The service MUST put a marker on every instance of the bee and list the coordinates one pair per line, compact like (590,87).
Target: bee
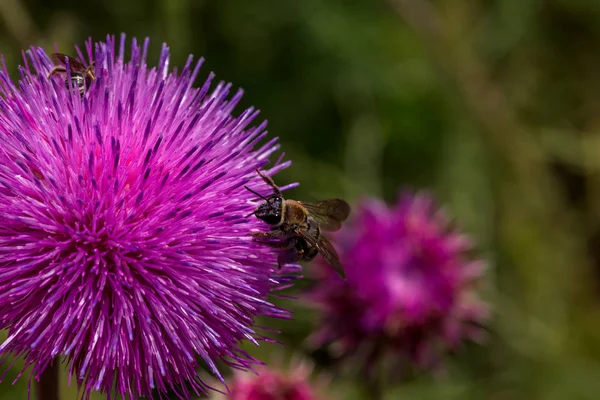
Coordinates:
(297,226)
(81,76)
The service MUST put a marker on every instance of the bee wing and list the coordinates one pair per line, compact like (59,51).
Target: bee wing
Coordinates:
(329,214)
(325,248)
(60,59)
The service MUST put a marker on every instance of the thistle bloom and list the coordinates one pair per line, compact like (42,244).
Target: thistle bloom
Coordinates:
(409,288)
(124,228)
(292,383)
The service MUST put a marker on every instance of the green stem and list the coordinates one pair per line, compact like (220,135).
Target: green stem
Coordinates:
(374,382)
(48,385)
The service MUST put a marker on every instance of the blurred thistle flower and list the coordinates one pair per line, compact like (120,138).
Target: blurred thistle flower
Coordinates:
(409,289)
(124,236)
(272,383)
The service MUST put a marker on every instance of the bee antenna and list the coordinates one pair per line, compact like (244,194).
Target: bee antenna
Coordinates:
(269,182)
(258,194)
(252,213)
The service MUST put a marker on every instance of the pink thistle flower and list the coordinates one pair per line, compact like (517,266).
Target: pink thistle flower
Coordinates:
(271,383)
(410,284)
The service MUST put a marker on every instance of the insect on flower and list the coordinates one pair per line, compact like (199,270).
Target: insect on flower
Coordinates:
(124,249)
(81,76)
(299,224)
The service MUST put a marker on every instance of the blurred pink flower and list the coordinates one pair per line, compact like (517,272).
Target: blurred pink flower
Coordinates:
(410,284)
(271,383)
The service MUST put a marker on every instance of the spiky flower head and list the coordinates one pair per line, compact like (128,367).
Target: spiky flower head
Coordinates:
(124,228)
(410,284)
(278,382)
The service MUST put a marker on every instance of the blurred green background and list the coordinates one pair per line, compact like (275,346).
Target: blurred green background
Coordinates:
(494,106)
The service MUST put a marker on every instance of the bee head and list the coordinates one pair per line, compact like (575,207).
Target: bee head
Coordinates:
(271,210)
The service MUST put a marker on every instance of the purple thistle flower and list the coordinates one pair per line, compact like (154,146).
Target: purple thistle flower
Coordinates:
(410,284)
(283,383)
(125,244)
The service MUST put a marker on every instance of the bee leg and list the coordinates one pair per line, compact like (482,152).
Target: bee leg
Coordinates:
(288,256)
(270,239)
(57,69)
(272,234)
(310,254)
(269,182)
(89,76)
(89,71)
(284,244)
(267,235)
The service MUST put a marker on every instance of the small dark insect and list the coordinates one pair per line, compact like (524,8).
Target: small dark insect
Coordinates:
(297,226)
(81,76)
